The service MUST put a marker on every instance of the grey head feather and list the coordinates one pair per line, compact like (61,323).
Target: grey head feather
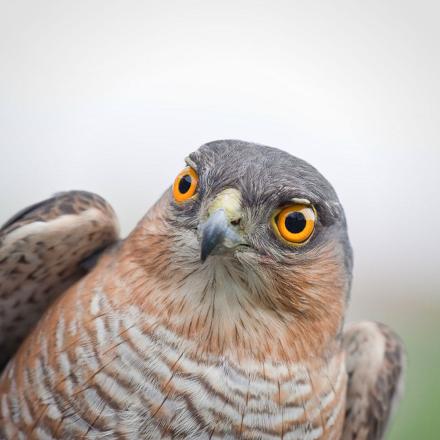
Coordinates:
(267,178)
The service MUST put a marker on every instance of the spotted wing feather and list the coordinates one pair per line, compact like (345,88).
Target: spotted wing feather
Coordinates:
(41,251)
(375,360)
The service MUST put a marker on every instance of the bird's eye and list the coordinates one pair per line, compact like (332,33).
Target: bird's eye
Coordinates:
(185,184)
(295,223)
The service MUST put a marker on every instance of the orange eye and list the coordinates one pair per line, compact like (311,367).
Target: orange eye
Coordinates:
(295,223)
(185,184)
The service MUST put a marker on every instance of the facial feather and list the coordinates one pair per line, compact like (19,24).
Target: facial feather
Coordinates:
(262,289)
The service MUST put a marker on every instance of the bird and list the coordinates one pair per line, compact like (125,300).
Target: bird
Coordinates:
(221,315)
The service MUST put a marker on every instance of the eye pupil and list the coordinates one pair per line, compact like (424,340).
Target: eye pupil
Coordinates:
(185,183)
(295,222)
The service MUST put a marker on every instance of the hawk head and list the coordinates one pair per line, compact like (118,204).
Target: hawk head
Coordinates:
(255,232)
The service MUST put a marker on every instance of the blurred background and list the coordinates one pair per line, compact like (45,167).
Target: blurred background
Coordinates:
(110,96)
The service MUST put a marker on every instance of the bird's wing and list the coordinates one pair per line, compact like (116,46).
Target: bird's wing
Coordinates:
(375,360)
(42,249)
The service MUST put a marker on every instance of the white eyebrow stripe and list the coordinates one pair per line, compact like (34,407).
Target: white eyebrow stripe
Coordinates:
(191,163)
(301,201)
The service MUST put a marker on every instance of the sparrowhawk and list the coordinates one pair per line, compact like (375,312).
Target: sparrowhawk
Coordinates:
(221,315)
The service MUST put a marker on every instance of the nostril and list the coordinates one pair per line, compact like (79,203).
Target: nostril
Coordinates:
(236,222)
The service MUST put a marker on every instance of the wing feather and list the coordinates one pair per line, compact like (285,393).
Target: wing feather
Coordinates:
(41,251)
(375,360)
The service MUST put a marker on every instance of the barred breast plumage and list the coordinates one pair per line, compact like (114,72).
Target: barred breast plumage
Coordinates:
(96,363)
(154,343)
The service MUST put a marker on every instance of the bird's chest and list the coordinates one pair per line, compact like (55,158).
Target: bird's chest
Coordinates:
(171,394)
(117,379)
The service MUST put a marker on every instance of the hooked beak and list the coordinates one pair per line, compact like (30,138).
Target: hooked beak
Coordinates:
(221,229)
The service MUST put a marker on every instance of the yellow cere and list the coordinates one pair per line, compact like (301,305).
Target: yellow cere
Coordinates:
(230,201)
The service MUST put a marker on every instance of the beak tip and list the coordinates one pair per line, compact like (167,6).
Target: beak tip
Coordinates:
(213,233)
(206,248)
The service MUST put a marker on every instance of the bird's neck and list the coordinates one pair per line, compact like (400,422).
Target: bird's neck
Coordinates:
(212,310)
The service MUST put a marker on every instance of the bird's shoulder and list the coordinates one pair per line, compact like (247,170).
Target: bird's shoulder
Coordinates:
(42,251)
(375,362)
